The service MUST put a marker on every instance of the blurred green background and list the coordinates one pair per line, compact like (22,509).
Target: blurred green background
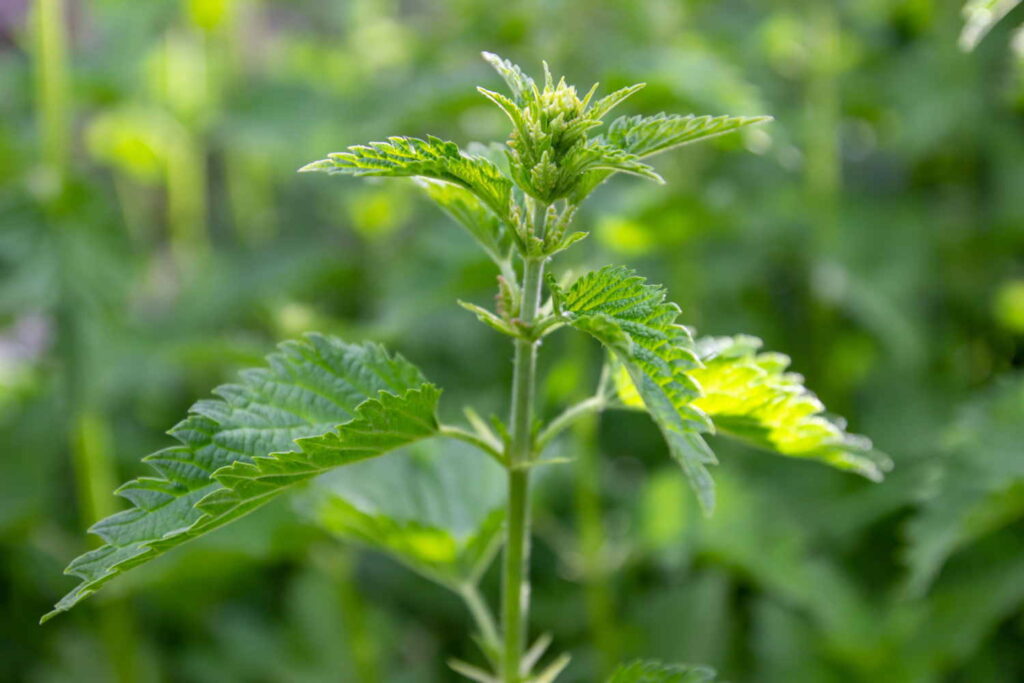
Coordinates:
(154,239)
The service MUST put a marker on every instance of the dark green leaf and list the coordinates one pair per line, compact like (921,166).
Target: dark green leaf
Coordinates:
(638,326)
(319,404)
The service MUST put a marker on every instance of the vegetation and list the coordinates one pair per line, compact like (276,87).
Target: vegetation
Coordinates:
(322,403)
(154,241)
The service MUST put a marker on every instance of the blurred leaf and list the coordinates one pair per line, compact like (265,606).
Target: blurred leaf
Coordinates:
(980,483)
(656,672)
(436,506)
(980,16)
(337,403)
(403,157)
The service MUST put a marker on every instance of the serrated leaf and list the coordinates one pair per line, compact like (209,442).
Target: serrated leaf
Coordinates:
(638,326)
(518,82)
(614,159)
(979,483)
(720,383)
(403,157)
(435,506)
(320,403)
(644,136)
(639,137)
(470,213)
(511,108)
(488,318)
(655,672)
(609,102)
(750,396)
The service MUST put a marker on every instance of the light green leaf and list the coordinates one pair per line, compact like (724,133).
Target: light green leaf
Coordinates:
(979,482)
(633,320)
(470,213)
(656,672)
(320,403)
(750,396)
(403,157)
(638,137)
(518,82)
(719,383)
(490,319)
(436,506)
(614,159)
(644,136)
(609,102)
(552,670)
(473,673)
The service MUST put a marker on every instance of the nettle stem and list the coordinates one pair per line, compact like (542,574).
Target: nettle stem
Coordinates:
(516,580)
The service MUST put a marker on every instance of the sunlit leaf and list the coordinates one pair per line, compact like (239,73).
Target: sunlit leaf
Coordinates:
(719,383)
(750,396)
(436,506)
(320,403)
(638,326)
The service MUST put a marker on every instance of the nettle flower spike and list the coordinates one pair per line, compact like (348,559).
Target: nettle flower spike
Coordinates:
(549,151)
(550,154)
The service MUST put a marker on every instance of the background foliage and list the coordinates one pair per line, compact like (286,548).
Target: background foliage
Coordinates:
(154,238)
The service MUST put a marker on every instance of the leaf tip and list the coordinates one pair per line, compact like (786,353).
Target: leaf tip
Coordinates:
(319,165)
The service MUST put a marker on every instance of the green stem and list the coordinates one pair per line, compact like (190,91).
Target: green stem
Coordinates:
(51,82)
(516,586)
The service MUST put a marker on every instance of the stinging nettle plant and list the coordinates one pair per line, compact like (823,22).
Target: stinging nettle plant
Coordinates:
(322,410)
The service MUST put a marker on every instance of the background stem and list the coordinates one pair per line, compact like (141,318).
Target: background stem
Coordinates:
(93,467)
(594,568)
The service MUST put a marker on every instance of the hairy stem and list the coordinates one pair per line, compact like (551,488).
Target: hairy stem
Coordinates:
(516,585)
